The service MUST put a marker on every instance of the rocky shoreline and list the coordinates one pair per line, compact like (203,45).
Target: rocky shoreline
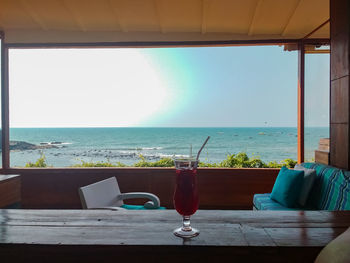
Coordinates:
(22,146)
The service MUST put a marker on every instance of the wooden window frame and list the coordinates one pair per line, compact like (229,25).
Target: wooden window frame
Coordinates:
(5,77)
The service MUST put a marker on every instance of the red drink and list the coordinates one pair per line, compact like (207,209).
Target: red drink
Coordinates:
(186,199)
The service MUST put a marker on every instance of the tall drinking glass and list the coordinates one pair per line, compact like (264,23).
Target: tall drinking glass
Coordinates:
(186,199)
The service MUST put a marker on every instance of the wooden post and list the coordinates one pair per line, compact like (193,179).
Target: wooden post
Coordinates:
(5,131)
(301,100)
(340,84)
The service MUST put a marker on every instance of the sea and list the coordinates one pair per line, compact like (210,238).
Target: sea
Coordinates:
(126,145)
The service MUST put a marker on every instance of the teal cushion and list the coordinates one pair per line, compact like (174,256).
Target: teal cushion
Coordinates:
(264,202)
(140,207)
(287,187)
(331,190)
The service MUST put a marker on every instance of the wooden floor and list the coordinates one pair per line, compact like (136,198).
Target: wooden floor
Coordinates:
(135,236)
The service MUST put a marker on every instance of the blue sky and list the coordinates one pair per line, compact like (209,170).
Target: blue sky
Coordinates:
(164,87)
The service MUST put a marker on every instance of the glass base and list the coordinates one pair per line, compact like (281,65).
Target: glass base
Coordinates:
(181,232)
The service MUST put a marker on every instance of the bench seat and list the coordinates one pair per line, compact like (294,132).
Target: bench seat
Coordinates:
(264,202)
(331,191)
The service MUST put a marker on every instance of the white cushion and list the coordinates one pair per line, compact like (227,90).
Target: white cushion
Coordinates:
(337,250)
(309,179)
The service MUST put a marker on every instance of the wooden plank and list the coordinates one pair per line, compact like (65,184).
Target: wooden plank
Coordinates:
(324,144)
(103,236)
(339,151)
(323,147)
(339,100)
(322,157)
(142,44)
(301,100)
(124,234)
(10,190)
(172,254)
(282,219)
(5,130)
(257,236)
(218,188)
(324,141)
(340,84)
(316,29)
(223,228)
(301,237)
(339,30)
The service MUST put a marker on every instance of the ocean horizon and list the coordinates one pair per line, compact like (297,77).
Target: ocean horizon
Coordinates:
(126,144)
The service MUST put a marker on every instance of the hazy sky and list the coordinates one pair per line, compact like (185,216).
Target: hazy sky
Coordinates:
(164,87)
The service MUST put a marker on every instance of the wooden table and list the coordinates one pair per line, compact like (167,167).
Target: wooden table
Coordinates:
(135,236)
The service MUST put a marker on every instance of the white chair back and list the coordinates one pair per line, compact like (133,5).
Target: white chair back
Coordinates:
(101,194)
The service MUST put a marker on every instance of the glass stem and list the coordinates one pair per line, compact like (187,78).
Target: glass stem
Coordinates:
(186,225)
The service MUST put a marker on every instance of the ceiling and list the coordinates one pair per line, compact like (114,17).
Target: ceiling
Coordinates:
(74,21)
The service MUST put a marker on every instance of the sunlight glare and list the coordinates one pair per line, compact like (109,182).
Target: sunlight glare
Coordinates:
(92,88)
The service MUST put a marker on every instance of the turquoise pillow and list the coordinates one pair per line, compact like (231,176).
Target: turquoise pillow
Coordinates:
(287,187)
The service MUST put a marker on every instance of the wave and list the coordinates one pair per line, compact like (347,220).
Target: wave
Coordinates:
(137,148)
(126,154)
(163,155)
(56,143)
(151,148)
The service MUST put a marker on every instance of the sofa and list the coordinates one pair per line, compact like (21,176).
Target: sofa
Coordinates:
(330,191)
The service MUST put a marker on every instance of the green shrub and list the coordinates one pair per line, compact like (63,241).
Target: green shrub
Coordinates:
(165,162)
(41,162)
(288,163)
(99,164)
(273,164)
(239,160)
(202,164)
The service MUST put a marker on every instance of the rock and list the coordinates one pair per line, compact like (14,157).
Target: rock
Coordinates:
(21,146)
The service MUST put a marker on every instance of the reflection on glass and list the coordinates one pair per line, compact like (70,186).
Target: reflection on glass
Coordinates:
(317,83)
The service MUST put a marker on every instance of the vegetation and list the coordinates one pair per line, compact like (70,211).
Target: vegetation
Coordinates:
(165,162)
(239,160)
(41,162)
(99,164)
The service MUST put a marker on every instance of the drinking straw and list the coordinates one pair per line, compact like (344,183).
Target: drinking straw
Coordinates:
(191,150)
(202,148)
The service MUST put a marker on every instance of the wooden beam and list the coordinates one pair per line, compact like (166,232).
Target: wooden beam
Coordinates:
(34,15)
(116,10)
(316,29)
(205,8)
(253,22)
(158,12)
(320,51)
(76,17)
(2,21)
(301,100)
(284,32)
(166,44)
(5,130)
(340,84)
